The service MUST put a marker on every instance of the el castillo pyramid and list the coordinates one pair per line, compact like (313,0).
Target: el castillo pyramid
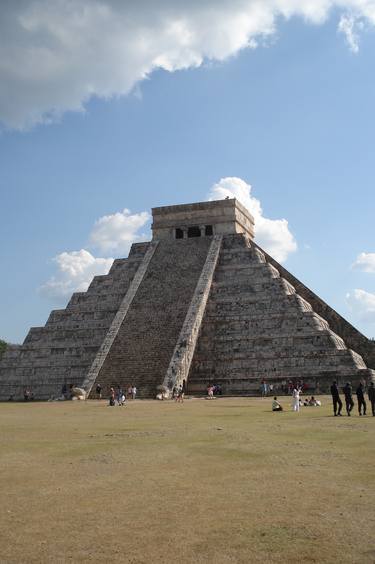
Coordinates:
(200,303)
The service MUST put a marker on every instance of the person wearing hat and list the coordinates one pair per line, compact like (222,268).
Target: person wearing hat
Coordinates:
(349,403)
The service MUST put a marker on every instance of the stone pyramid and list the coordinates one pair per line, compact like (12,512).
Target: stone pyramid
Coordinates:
(200,303)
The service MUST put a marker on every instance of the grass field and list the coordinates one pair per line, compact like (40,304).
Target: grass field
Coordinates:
(220,481)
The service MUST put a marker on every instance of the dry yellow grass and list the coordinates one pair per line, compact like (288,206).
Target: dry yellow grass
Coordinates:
(221,481)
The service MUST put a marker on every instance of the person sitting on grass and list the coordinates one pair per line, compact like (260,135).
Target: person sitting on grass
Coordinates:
(314,402)
(276,406)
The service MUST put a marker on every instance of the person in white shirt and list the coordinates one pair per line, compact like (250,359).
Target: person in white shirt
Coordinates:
(296,398)
(276,406)
(134,392)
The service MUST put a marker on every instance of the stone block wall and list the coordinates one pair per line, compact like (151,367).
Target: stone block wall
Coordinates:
(63,350)
(353,338)
(256,326)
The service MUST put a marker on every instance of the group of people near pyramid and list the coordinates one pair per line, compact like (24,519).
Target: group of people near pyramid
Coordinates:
(349,402)
(336,399)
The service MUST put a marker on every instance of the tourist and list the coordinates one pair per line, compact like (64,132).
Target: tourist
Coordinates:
(276,406)
(349,403)
(64,390)
(120,396)
(361,399)
(371,397)
(130,392)
(112,397)
(26,394)
(210,392)
(314,402)
(296,399)
(180,395)
(99,391)
(264,388)
(134,392)
(337,403)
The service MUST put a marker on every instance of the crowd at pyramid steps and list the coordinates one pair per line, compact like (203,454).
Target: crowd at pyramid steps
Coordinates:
(249,320)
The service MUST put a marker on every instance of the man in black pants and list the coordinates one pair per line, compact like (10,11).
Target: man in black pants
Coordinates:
(371,397)
(337,403)
(361,399)
(347,389)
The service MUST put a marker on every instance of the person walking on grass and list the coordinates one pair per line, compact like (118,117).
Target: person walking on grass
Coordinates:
(371,397)
(349,403)
(361,399)
(337,403)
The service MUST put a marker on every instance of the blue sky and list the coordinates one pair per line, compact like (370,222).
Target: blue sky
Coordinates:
(292,117)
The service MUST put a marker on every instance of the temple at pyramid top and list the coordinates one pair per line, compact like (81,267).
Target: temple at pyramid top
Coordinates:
(219,217)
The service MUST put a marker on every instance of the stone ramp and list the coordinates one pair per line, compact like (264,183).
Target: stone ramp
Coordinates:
(118,320)
(256,326)
(63,350)
(143,348)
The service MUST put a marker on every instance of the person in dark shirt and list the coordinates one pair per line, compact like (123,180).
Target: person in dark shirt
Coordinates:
(337,403)
(371,397)
(361,399)
(349,403)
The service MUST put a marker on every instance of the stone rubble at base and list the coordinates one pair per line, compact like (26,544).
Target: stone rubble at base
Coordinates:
(202,303)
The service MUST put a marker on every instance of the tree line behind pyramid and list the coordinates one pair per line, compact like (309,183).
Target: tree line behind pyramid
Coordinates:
(199,304)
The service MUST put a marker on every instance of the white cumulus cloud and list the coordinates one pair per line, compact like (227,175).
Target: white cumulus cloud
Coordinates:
(365,262)
(75,271)
(271,234)
(116,232)
(362,303)
(57,54)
